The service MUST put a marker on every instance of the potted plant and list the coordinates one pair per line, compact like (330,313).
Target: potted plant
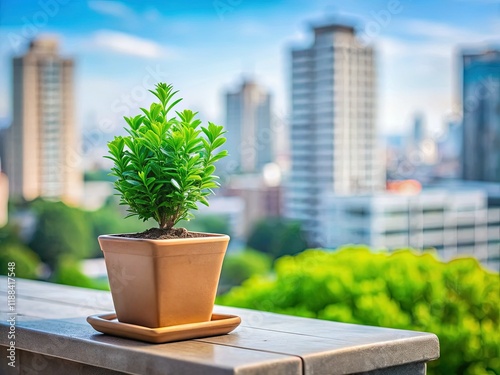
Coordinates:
(164,167)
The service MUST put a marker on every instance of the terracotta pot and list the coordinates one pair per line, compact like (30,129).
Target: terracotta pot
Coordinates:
(159,283)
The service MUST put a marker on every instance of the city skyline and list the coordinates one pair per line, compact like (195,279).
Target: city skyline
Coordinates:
(189,45)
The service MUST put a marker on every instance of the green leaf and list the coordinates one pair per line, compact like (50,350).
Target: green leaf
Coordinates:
(204,201)
(209,185)
(208,134)
(209,170)
(175,183)
(219,156)
(218,142)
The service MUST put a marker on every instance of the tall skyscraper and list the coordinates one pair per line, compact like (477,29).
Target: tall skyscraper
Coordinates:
(333,135)
(41,144)
(418,135)
(481,116)
(248,125)
(4,198)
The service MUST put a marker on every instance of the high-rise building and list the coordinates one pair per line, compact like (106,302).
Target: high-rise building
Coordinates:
(42,142)
(449,148)
(333,135)
(248,125)
(418,129)
(455,222)
(481,116)
(4,197)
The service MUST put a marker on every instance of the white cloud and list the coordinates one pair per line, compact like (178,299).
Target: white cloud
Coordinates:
(131,45)
(134,20)
(111,8)
(440,31)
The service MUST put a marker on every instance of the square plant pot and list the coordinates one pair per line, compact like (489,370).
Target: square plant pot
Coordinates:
(160,283)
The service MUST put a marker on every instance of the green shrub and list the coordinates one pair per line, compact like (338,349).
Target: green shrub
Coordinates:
(26,260)
(68,272)
(459,301)
(240,266)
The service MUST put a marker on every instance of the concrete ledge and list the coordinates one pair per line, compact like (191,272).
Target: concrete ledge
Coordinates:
(34,363)
(52,337)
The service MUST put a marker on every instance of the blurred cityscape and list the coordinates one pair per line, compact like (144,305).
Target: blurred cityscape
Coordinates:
(323,170)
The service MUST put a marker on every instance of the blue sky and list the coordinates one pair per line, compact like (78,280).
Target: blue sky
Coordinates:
(205,47)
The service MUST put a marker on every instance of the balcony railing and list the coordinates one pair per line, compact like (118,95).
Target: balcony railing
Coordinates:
(53,337)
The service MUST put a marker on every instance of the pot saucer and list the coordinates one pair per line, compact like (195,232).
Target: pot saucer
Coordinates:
(220,324)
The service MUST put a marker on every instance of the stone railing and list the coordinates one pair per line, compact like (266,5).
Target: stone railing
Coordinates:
(51,336)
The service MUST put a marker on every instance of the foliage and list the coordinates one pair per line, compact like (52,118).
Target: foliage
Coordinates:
(458,301)
(209,224)
(27,262)
(68,272)
(10,233)
(60,230)
(98,175)
(240,266)
(277,237)
(165,165)
(108,220)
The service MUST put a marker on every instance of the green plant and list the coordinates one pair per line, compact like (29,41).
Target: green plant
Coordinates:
(68,272)
(165,166)
(459,301)
(26,260)
(277,237)
(60,230)
(240,266)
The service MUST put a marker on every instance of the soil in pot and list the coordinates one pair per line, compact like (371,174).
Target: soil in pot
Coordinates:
(164,234)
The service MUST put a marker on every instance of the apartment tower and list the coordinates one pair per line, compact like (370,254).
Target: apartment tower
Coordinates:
(248,125)
(41,146)
(333,135)
(481,116)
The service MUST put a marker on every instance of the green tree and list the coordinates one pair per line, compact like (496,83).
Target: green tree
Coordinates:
(277,237)
(10,233)
(60,230)
(459,301)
